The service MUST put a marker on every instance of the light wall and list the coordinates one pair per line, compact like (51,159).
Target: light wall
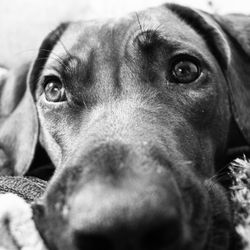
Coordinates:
(24,23)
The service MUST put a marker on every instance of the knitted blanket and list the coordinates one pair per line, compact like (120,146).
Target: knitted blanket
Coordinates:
(28,188)
(17,229)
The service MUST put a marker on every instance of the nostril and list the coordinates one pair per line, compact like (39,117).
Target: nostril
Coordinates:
(88,241)
(163,236)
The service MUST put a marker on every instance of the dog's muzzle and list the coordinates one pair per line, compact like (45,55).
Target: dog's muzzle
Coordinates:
(119,200)
(125,209)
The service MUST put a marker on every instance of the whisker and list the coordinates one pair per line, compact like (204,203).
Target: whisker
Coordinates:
(56,57)
(218,172)
(138,20)
(63,45)
(211,184)
(26,51)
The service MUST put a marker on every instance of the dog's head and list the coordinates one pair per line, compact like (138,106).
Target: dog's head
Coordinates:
(137,115)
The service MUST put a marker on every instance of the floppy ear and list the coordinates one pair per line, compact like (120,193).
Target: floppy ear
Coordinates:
(18,115)
(45,51)
(18,123)
(228,37)
(237,30)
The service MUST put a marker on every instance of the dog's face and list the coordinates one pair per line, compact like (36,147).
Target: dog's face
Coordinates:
(135,117)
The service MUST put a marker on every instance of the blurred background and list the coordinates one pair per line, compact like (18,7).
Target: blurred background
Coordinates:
(24,23)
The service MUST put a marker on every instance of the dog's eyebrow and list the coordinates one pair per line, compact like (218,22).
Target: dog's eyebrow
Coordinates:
(57,63)
(148,38)
(70,62)
(66,64)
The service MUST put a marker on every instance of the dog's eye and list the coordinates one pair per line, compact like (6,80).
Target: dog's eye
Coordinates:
(184,71)
(54,90)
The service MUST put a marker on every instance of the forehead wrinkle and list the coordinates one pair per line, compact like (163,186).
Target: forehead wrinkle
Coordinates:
(162,21)
(69,60)
(72,46)
(180,42)
(55,62)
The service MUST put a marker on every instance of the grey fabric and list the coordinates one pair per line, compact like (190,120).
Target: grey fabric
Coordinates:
(29,188)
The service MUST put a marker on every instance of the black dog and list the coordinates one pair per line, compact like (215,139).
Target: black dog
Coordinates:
(137,115)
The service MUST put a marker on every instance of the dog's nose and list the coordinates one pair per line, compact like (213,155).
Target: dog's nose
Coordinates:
(161,234)
(103,218)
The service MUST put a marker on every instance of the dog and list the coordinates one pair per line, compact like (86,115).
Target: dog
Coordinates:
(138,116)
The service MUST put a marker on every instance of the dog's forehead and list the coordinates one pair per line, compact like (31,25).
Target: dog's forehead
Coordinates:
(113,34)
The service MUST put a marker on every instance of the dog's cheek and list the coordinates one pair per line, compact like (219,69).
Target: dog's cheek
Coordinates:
(52,124)
(200,106)
(196,200)
(59,129)
(49,144)
(210,217)
(222,221)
